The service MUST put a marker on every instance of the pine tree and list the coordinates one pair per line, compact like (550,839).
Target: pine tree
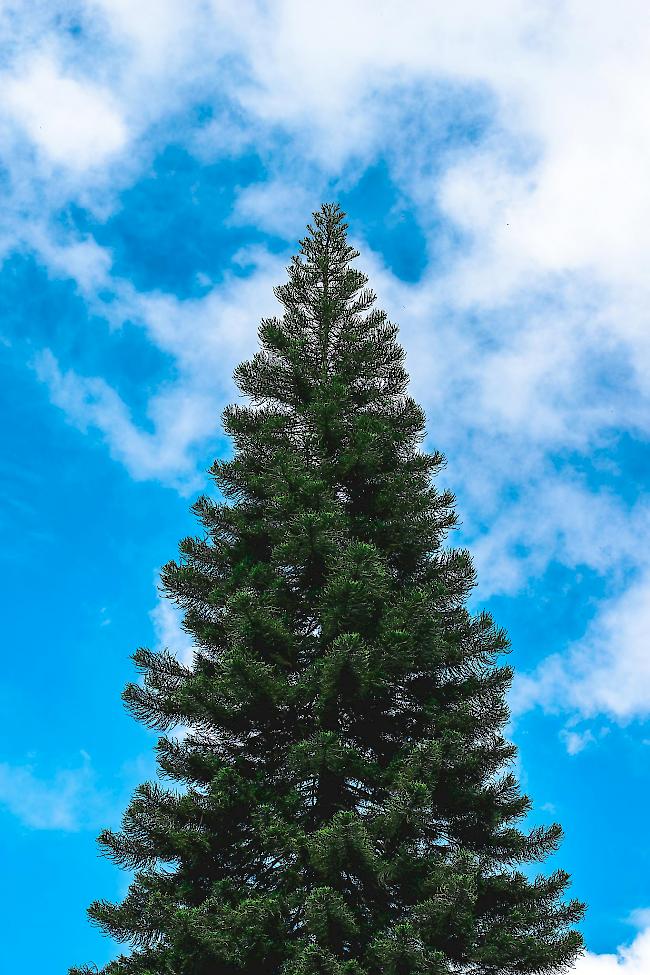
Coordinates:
(344,800)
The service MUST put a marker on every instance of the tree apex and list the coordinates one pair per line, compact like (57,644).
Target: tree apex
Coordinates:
(328,217)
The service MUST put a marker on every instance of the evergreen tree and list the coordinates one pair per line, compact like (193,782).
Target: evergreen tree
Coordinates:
(344,800)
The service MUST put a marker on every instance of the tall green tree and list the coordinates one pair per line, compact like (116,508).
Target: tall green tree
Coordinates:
(344,800)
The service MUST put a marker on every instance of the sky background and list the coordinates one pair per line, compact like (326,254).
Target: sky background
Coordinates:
(158,162)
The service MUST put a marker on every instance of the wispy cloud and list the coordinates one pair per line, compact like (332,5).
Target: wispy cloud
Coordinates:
(606,672)
(170,634)
(69,799)
(577,741)
(204,337)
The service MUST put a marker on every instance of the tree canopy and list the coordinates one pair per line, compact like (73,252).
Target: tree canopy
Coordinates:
(342,800)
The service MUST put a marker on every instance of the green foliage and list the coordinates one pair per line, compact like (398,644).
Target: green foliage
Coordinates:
(343,803)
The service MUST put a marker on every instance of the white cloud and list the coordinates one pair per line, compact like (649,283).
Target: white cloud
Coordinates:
(556,519)
(69,800)
(630,960)
(89,402)
(170,635)
(308,74)
(154,30)
(606,672)
(75,123)
(83,261)
(582,202)
(279,206)
(640,918)
(576,741)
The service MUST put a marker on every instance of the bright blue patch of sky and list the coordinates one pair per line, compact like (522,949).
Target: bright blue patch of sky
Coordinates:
(389,224)
(79,543)
(619,466)
(597,779)
(553,612)
(556,611)
(173,229)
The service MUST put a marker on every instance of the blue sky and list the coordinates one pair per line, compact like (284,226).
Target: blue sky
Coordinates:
(158,162)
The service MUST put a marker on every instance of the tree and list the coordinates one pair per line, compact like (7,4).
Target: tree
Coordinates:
(346,802)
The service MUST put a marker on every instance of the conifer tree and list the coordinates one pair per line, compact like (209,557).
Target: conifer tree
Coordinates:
(342,802)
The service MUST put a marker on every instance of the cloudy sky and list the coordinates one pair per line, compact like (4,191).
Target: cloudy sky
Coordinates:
(158,162)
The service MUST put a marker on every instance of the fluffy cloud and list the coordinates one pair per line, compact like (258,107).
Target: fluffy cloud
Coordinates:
(307,73)
(577,741)
(83,260)
(74,123)
(280,206)
(631,960)
(558,182)
(153,31)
